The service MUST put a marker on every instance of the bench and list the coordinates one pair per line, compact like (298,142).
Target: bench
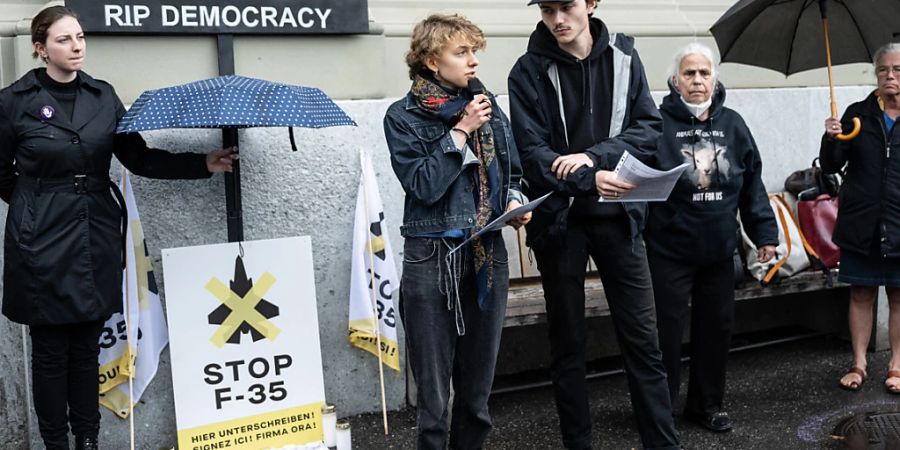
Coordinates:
(525,305)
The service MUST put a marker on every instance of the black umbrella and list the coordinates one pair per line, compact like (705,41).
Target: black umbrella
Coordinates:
(787,35)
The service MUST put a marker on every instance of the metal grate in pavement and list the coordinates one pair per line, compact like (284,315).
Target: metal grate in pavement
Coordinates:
(870,431)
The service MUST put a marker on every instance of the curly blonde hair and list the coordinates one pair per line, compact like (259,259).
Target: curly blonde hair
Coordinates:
(430,36)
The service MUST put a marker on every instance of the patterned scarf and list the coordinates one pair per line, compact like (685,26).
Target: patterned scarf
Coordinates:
(449,107)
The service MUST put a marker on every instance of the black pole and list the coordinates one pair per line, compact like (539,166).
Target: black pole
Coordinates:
(233,209)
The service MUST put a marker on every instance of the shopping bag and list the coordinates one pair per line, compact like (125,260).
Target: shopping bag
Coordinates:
(817,219)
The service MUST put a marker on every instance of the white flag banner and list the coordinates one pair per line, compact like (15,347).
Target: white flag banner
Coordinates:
(373,272)
(145,315)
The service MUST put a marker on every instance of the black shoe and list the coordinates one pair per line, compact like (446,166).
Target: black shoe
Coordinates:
(86,442)
(717,422)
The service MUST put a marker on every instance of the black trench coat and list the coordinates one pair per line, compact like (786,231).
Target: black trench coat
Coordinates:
(63,240)
(870,193)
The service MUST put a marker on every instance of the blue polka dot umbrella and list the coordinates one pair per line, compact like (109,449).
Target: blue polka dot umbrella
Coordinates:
(233,102)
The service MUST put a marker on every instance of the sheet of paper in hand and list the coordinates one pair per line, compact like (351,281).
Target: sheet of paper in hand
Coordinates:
(652,185)
(500,222)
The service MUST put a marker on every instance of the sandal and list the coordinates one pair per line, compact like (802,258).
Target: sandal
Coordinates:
(854,386)
(892,388)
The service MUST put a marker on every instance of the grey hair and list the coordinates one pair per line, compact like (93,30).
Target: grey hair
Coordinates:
(694,48)
(893,47)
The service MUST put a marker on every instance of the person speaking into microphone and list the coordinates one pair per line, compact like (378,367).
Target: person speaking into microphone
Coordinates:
(452,150)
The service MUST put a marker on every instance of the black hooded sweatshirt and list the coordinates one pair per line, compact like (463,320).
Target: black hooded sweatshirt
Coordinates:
(698,224)
(583,83)
(541,136)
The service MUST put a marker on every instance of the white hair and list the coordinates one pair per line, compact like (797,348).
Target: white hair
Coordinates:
(694,48)
(893,47)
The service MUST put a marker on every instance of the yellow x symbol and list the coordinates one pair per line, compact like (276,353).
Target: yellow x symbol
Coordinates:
(242,309)
(143,265)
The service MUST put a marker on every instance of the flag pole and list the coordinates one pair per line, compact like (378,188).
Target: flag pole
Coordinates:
(130,395)
(371,251)
(128,330)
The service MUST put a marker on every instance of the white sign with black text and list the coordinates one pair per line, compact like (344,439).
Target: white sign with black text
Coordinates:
(244,339)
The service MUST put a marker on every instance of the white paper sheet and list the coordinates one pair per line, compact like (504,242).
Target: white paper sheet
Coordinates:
(500,222)
(652,185)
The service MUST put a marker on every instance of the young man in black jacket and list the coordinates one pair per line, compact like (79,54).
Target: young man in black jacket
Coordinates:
(578,100)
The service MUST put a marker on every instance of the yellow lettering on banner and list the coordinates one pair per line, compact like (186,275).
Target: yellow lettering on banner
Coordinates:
(243,309)
(117,371)
(363,336)
(293,426)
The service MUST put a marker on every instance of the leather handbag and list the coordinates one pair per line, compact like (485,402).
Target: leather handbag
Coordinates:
(812,181)
(817,218)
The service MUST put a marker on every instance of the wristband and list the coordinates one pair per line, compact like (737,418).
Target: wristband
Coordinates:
(468,136)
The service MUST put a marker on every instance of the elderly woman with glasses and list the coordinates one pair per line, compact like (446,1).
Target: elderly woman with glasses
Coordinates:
(868,223)
(691,238)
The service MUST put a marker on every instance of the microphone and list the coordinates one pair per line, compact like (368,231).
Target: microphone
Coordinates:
(476,88)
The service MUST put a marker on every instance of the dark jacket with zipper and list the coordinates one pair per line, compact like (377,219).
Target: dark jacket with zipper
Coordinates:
(439,186)
(561,105)
(870,193)
(698,223)
(63,243)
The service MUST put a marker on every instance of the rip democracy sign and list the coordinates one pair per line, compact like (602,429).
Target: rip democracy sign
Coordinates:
(223,17)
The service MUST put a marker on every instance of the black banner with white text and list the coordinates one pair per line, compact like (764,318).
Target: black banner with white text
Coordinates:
(223,17)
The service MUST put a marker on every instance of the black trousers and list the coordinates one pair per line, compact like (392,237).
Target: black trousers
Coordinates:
(438,355)
(622,263)
(65,383)
(710,290)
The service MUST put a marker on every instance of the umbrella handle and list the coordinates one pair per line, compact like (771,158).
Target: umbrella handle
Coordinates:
(857,127)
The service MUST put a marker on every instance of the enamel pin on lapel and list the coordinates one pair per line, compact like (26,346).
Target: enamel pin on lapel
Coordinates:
(47,112)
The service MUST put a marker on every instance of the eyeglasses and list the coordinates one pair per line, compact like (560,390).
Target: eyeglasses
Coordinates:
(883,70)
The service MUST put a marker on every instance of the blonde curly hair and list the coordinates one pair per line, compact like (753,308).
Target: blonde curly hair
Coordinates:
(430,36)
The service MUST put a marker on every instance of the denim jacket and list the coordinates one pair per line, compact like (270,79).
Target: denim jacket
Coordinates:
(433,173)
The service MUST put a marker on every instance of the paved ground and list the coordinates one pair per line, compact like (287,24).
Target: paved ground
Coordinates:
(780,397)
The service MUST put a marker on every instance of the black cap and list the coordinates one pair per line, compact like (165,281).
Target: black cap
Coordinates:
(548,1)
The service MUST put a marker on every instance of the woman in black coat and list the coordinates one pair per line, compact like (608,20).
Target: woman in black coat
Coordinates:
(868,223)
(691,238)
(63,257)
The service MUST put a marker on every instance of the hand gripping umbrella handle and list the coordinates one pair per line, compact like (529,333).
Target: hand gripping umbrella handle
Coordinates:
(857,127)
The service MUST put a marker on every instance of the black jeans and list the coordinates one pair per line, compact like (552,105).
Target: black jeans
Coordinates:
(710,290)
(438,354)
(66,385)
(622,263)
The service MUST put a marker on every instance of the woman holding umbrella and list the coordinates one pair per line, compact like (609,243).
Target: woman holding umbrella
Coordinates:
(868,223)
(62,273)
(691,238)
(452,151)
